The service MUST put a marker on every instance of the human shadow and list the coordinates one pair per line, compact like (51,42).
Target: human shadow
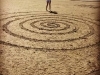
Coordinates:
(75,0)
(53,12)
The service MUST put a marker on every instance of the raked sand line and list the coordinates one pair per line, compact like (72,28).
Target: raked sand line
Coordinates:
(49,31)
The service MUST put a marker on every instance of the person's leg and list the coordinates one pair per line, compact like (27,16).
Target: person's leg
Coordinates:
(47,5)
(50,5)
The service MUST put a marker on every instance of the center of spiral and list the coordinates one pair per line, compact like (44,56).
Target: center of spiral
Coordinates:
(52,25)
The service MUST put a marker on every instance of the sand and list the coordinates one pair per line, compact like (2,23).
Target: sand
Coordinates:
(36,42)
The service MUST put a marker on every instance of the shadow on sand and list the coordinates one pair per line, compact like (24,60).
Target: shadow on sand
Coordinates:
(98,19)
(53,12)
(97,72)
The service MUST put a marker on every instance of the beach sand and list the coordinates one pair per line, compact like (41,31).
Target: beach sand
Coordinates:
(36,42)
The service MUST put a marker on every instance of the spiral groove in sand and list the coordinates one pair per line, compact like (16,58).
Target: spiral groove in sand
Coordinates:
(49,31)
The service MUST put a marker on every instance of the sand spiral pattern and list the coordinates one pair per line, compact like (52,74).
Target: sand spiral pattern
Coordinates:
(49,31)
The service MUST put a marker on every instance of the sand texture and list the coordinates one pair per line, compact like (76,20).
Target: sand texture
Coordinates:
(34,41)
